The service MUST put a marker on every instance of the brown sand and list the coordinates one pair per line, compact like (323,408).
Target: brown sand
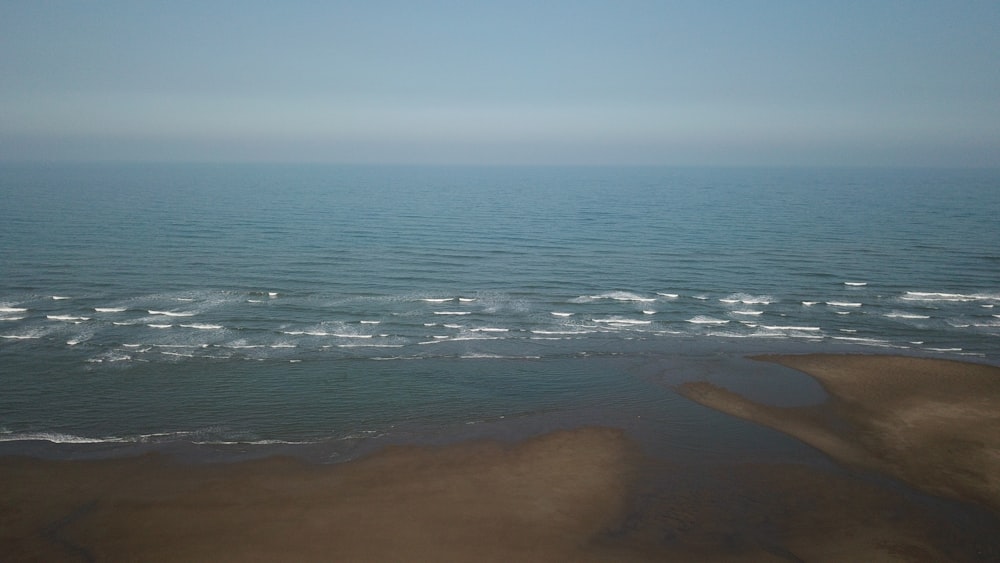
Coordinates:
(932,423)
(543,500)
(578,495)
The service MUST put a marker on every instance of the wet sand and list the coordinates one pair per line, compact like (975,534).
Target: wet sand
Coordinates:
(932,423)
(588,494)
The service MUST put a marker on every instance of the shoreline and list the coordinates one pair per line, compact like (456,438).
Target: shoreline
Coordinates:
(590,493)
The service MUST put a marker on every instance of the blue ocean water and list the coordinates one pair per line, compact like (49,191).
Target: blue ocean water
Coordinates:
(290,304)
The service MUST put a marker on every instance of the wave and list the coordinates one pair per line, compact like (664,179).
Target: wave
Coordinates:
(109,309)
(810,303)
(899,315)
(843,304)
(437,299)
(792,328)
(452,313)
(70,318)
(12,318)
(668,295)
(752,313)
(705,320)
(855,284)
(961,297)
(159,326)
(13,310)
(201,326)
(621,321)
(615,296)
(560,314)
(748,299)
(171,313)
(20,336)
(60,297)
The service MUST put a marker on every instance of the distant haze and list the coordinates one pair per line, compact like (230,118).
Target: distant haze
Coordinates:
(881,83)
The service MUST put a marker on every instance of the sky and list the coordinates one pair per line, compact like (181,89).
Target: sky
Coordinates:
(618,82)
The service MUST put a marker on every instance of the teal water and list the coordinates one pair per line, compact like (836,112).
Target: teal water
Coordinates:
(252,304)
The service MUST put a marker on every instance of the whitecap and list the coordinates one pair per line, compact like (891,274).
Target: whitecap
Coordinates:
(70,318)
(159,326)
(560,314)
(748,299)
(60,297)
(843,304)
(201,326)
(616,296)
(935,296)
(792,328)
(466,299)
(437,299)
(13,310)
(668,295)
(621,321)
(452,312)
(20,336)
(109,309)
(752,313)
(170,313)
(648,312)
(704,320)
(370,322)
(855,284)
(490,329)
(810,303)
(900,315)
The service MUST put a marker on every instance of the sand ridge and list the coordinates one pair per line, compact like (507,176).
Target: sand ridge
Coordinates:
(932,423)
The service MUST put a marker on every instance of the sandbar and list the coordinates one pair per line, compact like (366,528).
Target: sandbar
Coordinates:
(932,423)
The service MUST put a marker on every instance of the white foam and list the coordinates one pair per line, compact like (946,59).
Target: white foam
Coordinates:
(201,326)
(810,303)
(159,326)
(934,296)
(900,315)
(859,340)
(447,325)
(945,349)
(437,299)
(621,321)
(668,295)
(272,294)
(20,336)
(791,328)
(747,299)
(60,297)
(12,318)
(700,297)
(370,322)
(648,312)
(561,332)
(704,320)
(843,304)
(70,318)
(109,309)
(466,299)
(752,313)
(856,284)
(452,312)
(561,314)
(490,329)
(170,313)
(345,335)
(55,438)
(616,296)
(13,310)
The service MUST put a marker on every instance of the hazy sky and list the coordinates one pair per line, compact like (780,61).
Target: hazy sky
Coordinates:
(742,82)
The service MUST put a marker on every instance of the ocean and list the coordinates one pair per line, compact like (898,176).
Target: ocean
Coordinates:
(325,309)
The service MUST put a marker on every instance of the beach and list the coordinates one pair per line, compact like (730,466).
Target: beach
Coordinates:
(913,443)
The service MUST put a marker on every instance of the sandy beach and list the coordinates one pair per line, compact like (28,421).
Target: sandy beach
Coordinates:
(915,439)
